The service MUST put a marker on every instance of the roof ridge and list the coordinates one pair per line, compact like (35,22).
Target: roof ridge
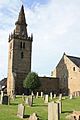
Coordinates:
(73,56)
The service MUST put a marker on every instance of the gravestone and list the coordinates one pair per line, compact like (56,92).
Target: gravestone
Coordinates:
(41,94)
(37,95)
(2,94)
(60,96)
(5,100)
(51,96)
(53,111)
(32,94)
(30,100)
(54,95)
(46,98)
(33,117)
(23,98)
(70,97)
(26,101)
(60,106)
(21,110)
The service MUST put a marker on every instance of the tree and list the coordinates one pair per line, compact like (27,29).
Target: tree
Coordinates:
(32,81)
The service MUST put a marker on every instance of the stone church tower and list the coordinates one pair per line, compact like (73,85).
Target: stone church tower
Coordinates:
(19,56)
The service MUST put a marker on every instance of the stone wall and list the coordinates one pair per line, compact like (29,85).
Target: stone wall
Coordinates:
(49,84)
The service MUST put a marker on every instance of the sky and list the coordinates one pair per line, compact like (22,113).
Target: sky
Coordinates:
(55,25)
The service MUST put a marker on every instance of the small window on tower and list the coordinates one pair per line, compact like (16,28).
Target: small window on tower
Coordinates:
(22,55)
(20,44)
(24,45)
(73,68)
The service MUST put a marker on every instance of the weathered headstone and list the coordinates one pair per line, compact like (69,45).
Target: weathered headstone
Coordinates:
(60,96)
(54,95)
(5,100)
(41,94)
(30,100)
(33,117)
(2,94)
(70,97)
(32,94)
(60,106)
(21,110)
(26,101)
(46,98)
(53,111)
(23,98)
(51,96)
(37,94)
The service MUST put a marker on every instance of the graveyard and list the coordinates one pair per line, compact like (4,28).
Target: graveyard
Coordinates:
(39,106)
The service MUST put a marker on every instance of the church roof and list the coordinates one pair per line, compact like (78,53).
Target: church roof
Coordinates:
(75,60)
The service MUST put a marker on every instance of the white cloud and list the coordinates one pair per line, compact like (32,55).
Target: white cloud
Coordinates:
(56,29)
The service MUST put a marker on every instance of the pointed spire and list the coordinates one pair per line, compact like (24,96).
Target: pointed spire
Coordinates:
(21,17)
(21,26)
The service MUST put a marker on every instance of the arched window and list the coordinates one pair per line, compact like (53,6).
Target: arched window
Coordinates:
(20,44)
(24,45)
(22,55)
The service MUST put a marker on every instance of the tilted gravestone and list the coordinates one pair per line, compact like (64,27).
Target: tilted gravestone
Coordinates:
(21,110)
(53,111)
(33,117)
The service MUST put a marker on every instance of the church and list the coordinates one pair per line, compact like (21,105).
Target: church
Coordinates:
(64,79)
(19,59)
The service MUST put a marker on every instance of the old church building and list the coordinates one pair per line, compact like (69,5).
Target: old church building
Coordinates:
(19,60)
(68,72)
(19,57)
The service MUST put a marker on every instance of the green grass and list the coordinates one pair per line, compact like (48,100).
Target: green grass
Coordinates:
(8,112)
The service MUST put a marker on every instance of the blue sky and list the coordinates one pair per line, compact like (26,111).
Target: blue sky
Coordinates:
(55,25)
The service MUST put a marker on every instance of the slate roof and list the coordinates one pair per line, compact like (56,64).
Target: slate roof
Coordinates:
(3,82)
(75,60)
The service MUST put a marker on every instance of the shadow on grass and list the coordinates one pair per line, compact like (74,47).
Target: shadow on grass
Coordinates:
(67,111)
(26,116)
(13,103)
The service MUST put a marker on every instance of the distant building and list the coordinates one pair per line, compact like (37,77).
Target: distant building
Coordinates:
(19,55)
(68,72)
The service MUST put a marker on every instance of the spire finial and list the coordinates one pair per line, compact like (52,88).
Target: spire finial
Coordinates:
(21,17)
(22,9)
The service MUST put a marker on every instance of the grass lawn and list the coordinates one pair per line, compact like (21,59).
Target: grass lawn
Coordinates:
(8,112)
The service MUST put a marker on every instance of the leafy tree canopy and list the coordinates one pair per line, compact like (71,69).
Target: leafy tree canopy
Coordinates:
(32,81)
